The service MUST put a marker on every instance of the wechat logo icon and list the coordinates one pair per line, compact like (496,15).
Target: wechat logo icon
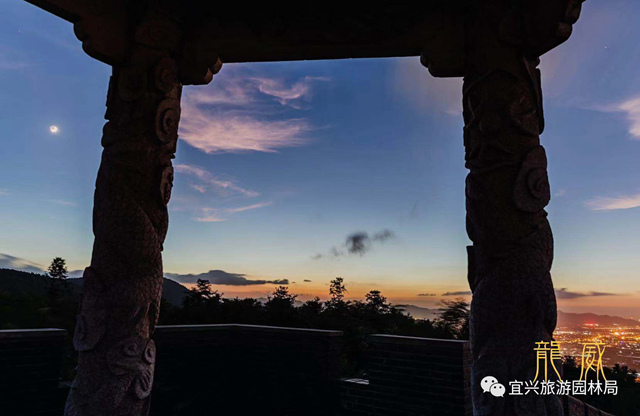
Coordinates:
(490,384)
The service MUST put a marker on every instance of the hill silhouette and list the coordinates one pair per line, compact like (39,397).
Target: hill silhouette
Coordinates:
(419,312)
(16,283)
(578,319)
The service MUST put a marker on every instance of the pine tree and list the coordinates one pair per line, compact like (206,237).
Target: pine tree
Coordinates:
(57,272)
(58,268)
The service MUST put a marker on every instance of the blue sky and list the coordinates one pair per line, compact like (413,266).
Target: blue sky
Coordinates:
(278,163)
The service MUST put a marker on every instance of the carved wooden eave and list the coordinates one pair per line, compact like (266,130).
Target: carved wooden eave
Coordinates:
(237,32)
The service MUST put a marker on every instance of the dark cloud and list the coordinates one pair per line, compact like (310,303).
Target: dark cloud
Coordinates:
(427,294)
(358,243)
(383,236)
(461,293)
(220,277)
(563,293)
(306,280)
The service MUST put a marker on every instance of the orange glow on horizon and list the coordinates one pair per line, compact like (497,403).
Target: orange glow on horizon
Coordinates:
(406,294)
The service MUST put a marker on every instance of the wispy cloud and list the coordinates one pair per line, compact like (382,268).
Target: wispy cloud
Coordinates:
(560,193)
(9,65)
(63,203)
(426,294)
(209,181)
(209,215)
(248,207)
(220,214)
(287,94)
(228,133)
(199,188)
(4,192)
(11,59)
(240,113)
(631,109)
(600,203)
(563,293)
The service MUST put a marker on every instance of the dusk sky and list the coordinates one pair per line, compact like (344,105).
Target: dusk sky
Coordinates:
(279,162)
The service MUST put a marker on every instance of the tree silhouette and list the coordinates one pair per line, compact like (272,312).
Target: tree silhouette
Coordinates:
(280,306)
(58,268)
(201,304)
(337,289)
(57,273)
(454,317)
(376,302)
(200,294)
(281,295)
(311,307)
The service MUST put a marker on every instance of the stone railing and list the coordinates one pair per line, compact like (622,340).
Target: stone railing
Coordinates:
(30,371)
(247,369)
(409,376)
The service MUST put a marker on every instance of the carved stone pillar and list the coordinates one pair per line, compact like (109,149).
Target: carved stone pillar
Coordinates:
(123,285)
(507,189)
(496,48)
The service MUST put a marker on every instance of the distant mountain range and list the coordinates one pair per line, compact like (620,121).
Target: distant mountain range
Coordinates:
(24,283)
(419,312)
(566,319)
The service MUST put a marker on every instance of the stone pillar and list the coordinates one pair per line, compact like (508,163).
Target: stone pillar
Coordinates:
(496,47)
(507,189)
(123,284)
